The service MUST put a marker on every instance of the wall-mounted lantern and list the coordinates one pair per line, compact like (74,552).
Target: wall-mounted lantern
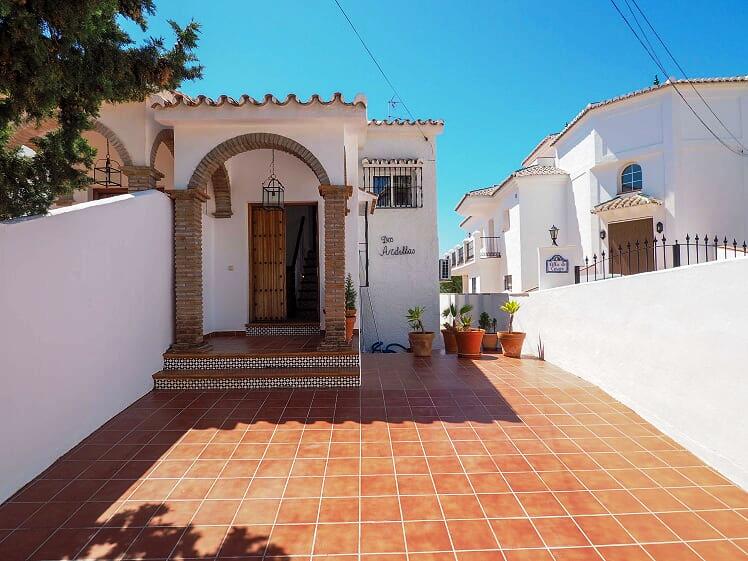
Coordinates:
(660,227)
(554,234)
(602,234)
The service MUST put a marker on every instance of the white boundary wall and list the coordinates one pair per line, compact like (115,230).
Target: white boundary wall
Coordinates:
(85,314)
(669,344)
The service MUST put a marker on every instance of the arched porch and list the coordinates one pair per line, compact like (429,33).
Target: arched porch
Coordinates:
(213,172)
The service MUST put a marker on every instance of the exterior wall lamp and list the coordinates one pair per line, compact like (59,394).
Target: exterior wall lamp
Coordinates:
(554,234)
(659,227)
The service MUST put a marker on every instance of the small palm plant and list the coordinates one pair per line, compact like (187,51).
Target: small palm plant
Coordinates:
(453,316)
(510,307)
(484,321)
(415,318)
(350,293)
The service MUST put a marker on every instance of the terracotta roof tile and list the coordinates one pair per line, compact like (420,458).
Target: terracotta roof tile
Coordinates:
(625,201)
(401,122)
(175,99)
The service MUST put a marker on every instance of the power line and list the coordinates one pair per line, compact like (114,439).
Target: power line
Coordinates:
(677,64)
(739,152)
(381,70)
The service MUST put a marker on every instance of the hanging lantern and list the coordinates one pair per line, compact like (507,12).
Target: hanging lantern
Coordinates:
(272,188)
(107,172)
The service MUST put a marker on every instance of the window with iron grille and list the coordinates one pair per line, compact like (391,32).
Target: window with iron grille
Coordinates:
(470,252)
(396,183)
(508,283)
(444,270)
(460,256)
(454,258)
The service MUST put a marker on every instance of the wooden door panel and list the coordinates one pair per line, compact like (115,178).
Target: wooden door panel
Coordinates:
(632,261)
(267,264)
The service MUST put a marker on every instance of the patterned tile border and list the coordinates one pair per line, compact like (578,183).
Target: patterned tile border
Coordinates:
(288,361)
(294,382)
(288,329)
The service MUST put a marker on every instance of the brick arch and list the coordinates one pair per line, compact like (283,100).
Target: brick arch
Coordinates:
(165,136)
(253,141)
(222,192)
(24,135)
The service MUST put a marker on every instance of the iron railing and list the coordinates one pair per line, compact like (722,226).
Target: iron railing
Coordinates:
(490,247)
(396,183)
(654,255)
(470,248)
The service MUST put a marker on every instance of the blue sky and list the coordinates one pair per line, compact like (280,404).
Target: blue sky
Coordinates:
(501,74)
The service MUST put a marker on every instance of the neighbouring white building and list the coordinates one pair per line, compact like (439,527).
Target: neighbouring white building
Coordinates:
(637,167)
(359,197)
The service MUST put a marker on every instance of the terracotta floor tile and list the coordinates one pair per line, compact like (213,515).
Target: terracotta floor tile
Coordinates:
(427,536)
(718,551)
(526,555)
(299,487)
(580,502)
(658,500)
(603,530)
(415,485)
(191,489)
(229,488)
(561,481)
(460,506)
(421,508)
(624,553)
(341,486)
(382,537)
(336,539)
(257,511)
(521,482)
(728,522)
(488,483)
(339,510)
(471,534)
(515,533)
(380,509)
(502,505)
(541,504)
(671,552)
(689,526)
(560,531)
(646,528)
(372,485)
(619,502)
(696,498)
(298,510)
(453,483)
(576,554)
(294,539)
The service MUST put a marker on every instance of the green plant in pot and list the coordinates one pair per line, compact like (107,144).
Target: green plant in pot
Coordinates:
(511,341)
(421,340)
(350,307)
(450,326)
(469,339)
(490,338)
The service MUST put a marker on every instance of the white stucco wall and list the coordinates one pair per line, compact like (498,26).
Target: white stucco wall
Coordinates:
(399,282)
(669,344)
(85,315)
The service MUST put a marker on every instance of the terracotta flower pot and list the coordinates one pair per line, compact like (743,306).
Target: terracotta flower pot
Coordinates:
(490,341)
(421,342)
(512,343)
(350,323)
(450,342)
(469,343)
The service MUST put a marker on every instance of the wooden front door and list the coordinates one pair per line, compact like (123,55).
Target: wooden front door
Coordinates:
(630,259)
(267,264)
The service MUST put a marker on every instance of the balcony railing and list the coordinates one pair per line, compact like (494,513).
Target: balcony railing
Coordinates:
(491,247)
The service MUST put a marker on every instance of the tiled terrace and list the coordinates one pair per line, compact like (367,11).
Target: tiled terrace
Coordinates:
(431,460)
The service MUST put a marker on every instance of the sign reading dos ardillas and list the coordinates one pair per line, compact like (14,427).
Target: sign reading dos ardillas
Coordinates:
(388,247)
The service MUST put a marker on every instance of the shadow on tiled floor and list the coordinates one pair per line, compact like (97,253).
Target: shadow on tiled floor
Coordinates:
(432,459)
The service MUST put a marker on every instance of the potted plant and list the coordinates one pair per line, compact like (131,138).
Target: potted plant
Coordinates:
(420,339)
(469,339)
(449,327)
(511,341)
(490,338)
(350,307)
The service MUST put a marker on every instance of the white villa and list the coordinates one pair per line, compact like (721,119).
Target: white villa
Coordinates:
(623,170)
(275,202)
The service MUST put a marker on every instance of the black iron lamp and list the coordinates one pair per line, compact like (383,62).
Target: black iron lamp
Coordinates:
(272,189)
(554,234)
(107,172)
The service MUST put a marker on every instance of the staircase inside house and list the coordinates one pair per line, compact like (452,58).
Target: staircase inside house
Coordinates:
(307,293)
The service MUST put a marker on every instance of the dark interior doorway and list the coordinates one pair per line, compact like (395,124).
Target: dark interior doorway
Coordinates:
(302,262)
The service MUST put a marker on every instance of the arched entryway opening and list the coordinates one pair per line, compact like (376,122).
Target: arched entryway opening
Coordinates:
(188,254)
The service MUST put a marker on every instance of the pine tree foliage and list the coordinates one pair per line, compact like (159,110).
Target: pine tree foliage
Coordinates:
(63,59)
